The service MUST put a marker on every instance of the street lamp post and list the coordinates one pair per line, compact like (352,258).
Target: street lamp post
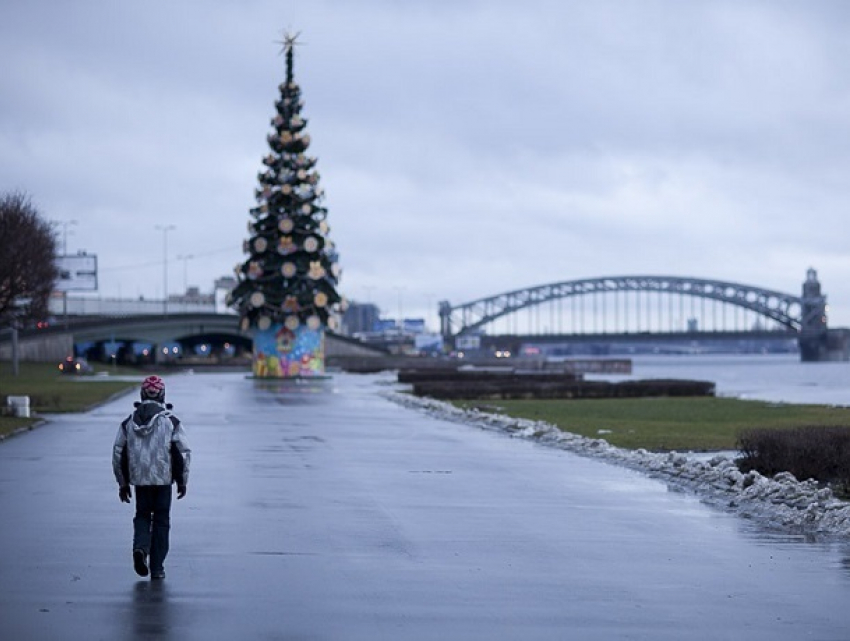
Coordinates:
(185,258)
(65,224)
(399,290)
(165,229)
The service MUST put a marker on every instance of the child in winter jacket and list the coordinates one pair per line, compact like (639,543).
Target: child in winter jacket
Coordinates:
(151,452)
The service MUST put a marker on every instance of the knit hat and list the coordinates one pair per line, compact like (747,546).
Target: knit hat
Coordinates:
(153,389)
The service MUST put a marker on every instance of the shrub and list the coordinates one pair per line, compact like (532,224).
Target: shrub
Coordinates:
(817,452)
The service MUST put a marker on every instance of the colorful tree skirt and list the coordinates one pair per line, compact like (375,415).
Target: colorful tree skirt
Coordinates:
(283,353)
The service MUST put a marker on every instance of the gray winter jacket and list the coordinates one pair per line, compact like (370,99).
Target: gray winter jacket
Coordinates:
(146,441)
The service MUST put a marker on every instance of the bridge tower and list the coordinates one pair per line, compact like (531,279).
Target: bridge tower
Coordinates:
(814,333)
(445,319)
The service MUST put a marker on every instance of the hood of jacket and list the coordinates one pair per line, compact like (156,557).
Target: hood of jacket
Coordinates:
(144,415)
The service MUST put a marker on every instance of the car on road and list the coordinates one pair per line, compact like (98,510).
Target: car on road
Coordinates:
(75,365)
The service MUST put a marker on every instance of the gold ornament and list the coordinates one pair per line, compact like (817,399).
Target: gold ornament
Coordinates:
(314,322)
(257,299)
(260,244)
(286,225)
(286,246)
(288,269)
(291,323)
(316,270)
(320,299)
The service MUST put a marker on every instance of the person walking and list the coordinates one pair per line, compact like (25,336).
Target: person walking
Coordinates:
(151,453)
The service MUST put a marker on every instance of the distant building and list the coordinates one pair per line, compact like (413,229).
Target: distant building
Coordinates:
(193,296)
(223,287)
(360,318)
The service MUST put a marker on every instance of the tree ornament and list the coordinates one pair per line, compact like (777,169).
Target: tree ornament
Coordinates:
(311,244)
(316,270)
(263,323)
(260,244)
(291,323)
(320,299)
(285,246)
(257,300)
(286,225)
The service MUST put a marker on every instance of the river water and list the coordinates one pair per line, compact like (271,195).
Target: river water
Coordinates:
(777,378)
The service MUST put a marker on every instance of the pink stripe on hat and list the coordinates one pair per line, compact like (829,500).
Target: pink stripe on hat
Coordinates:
(153,386)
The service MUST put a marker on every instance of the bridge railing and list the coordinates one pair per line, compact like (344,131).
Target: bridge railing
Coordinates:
(130,307)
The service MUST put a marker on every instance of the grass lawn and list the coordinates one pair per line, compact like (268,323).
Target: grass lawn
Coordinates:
(663,424)
(50,391)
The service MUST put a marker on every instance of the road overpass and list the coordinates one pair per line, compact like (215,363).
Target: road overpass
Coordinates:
(102,337)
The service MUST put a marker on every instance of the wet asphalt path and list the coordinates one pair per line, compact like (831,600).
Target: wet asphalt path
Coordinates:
(331,513)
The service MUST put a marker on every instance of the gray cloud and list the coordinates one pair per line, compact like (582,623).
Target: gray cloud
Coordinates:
(466,148)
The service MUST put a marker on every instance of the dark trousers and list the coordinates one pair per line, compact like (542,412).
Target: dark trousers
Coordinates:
(152,522)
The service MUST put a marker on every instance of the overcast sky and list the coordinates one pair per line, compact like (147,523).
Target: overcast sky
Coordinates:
(465,148)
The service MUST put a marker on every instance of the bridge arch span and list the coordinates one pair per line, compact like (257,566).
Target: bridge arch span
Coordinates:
(782,308)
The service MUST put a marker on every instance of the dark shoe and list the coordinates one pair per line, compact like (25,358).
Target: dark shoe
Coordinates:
(158,575)
(139,562)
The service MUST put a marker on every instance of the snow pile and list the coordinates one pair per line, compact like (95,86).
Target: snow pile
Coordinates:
(781,501)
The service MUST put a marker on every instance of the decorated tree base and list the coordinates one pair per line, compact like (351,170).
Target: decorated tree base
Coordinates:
(280,352)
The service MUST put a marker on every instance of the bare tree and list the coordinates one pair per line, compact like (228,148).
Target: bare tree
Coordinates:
(27,259)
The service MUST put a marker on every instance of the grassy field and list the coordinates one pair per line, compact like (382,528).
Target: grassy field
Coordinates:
(50,391)
(659,424)
(663,424)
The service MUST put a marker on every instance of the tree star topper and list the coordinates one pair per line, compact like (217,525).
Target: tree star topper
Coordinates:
(289,41)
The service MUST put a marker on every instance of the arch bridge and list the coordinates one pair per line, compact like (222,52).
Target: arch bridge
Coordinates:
(659,306)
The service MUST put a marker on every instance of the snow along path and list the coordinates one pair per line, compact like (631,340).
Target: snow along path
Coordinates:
(780,502)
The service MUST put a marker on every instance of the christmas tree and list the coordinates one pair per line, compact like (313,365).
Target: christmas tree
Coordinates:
(286,291)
